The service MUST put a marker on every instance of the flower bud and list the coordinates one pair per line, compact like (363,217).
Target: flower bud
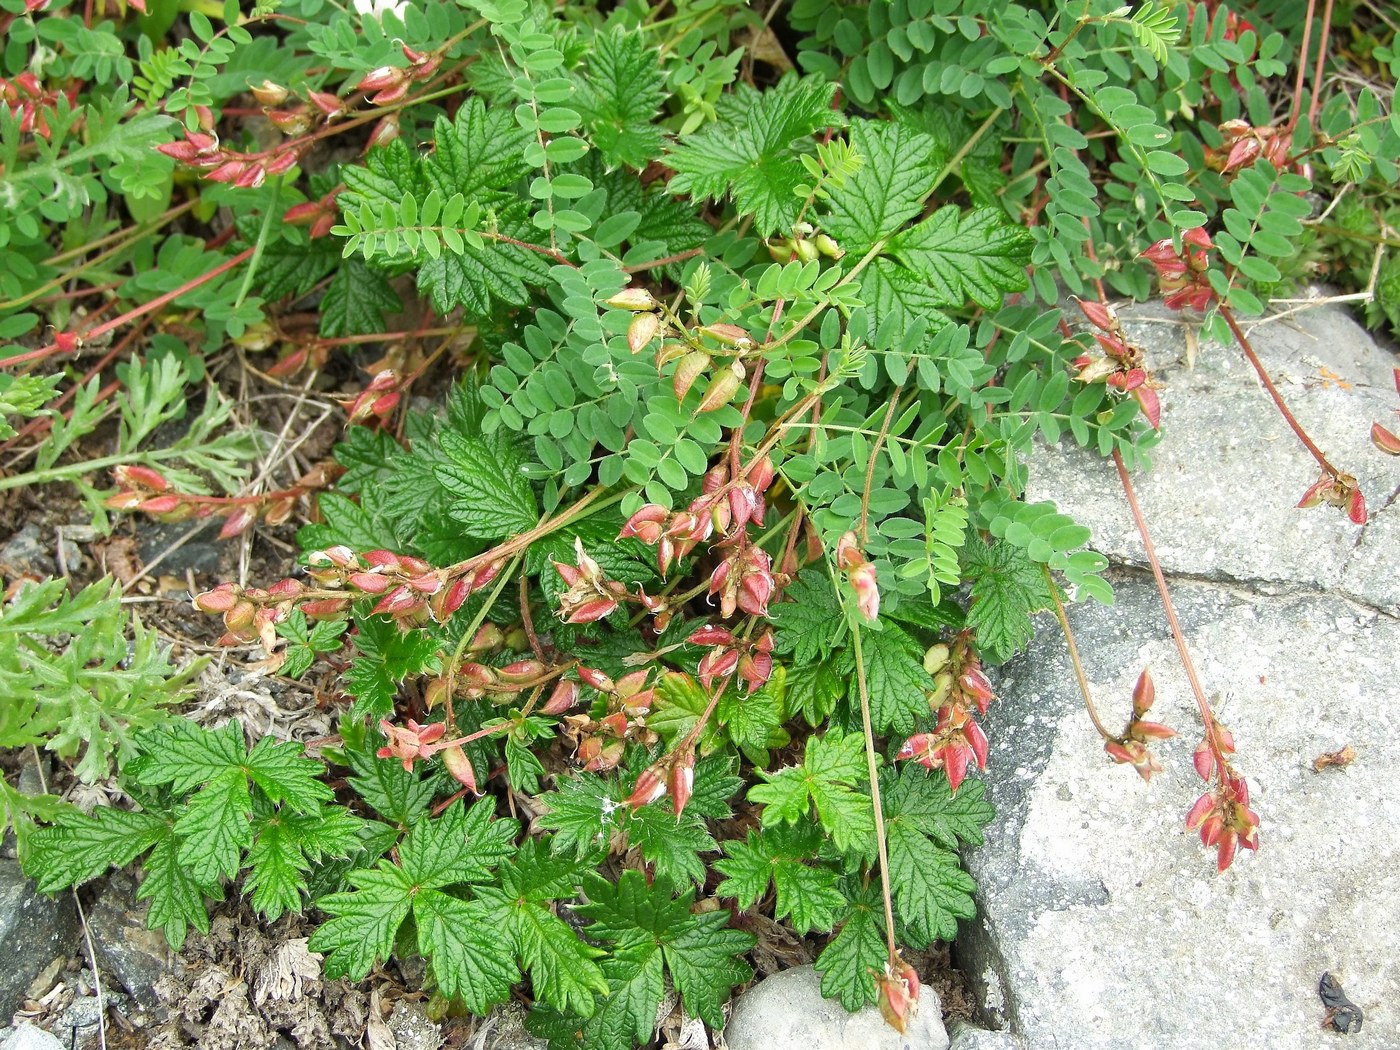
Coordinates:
(806,251)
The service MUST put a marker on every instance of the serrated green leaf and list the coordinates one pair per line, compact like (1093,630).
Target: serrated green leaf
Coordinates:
(976,256)
(851,959)
(750,155)
(806,894)
(619,94)
(491,498)
(470,960)
(896,678)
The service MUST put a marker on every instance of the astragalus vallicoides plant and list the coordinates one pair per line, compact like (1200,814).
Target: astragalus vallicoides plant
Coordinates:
(670,620)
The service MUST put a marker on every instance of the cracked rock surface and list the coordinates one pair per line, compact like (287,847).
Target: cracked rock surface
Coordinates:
(1102,921)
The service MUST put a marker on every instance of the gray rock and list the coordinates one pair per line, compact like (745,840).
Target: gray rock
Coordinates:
(1102,921)
(412,1029)
(28,1037)
(505,1030)
(126,949)
(28,550)
(964,1036)
(34,930)
(199,554)
(1220,497)
(787,1012)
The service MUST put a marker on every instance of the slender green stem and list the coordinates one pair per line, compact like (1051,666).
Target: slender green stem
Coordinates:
(871,768)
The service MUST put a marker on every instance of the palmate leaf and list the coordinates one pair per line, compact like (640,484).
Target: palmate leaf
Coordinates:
(356,301)
(619,94)
(751,155)
(1007,588)
(809,625)
(385,657)
(887,190)
(650,929)
(849,962)
(474,961)
(896,678)
(832,765)
(806,894)
(77,848)
(491,498)
(924,823)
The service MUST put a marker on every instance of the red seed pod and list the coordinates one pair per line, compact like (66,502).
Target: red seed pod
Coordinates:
(160,504)
(219,600)
(325,608)
(381,78)
(564,696)
(283,162)
(651,785)
(460,766)
(369,582)
(237,523)
(597,679)
(691,367)
(642,330)
(269,93)
(680,782)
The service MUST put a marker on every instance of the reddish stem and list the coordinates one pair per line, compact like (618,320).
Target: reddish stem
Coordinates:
(1314,102)
(1297,427)
(139,311)
(1202,704)
(1302,67)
